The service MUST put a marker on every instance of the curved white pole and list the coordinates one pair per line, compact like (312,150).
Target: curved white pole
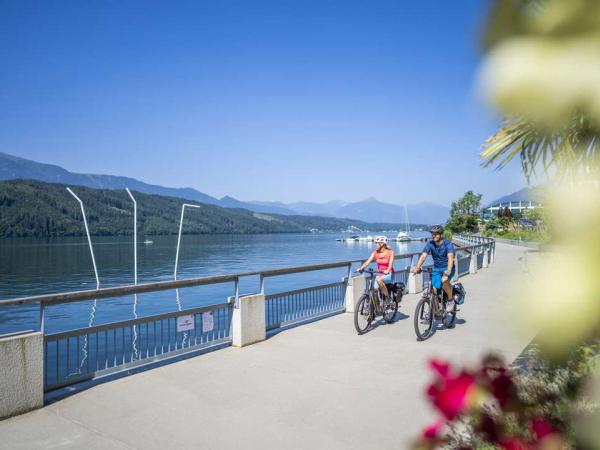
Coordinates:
(135,272)
(179,236)
(87,232)
(94,304)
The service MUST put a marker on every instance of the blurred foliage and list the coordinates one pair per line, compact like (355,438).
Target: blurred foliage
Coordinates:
(536,405)
(542,72)
(569,149)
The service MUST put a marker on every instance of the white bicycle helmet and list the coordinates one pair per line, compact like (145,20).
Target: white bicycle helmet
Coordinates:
(381,239)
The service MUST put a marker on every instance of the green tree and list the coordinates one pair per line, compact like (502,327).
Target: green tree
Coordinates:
(468,204)
(464,214)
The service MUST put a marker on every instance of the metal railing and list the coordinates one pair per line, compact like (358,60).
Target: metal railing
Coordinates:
(462,264)
(480,256)
(86,353)
(290,307)
(90,352)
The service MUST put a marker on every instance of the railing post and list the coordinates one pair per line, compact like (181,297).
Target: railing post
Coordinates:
(473,261)
(486,256)
(456,275)
(354,291)
(21,373)
(248,323)
(415,283)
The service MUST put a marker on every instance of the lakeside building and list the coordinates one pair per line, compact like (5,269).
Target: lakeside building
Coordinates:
(518,203)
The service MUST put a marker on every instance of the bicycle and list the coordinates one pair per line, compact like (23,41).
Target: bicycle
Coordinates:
(432,307)
(371,304)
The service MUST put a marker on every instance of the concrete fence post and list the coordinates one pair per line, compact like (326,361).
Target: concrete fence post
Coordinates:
(354,291)
(415,283)
(486,256)
(473,262)
(21,373)
(248,322)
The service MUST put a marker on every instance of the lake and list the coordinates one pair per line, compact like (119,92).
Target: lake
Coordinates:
(41,266)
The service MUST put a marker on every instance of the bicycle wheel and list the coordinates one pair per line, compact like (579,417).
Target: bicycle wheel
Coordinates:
(389,310)
(450,317)
(363,314)
(423,319)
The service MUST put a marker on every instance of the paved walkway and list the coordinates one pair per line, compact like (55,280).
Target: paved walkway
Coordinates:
(315,386)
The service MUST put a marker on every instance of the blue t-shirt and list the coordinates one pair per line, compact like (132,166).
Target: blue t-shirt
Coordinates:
(439,253)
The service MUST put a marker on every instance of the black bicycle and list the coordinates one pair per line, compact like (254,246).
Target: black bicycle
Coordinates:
(371,303)
(432,307)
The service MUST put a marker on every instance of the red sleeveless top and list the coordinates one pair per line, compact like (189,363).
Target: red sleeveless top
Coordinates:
(383,260)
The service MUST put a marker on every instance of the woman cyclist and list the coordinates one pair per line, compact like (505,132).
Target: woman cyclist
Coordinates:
(384,257)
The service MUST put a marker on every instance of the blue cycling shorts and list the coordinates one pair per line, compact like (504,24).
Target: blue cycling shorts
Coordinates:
(437,274)
(388,279)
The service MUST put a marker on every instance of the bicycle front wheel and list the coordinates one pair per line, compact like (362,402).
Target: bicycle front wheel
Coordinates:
(389,311)
(423,319)
(363,314)
(450,317)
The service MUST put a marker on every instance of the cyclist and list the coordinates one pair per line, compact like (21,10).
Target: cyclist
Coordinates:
(384,257)
(442,252)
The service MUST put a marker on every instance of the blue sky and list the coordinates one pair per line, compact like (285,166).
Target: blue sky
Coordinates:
(261,100)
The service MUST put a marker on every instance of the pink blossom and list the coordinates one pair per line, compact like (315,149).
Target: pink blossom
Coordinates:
(432,431)
(541,428)
(451,395)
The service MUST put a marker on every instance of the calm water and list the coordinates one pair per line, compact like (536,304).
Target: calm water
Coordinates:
(42,266)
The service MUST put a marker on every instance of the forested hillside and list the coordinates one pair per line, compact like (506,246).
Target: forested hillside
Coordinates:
(33,208)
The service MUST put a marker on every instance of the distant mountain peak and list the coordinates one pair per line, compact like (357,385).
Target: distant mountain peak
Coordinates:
(371,210)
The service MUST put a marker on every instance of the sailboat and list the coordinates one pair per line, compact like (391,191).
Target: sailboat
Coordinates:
(403,235)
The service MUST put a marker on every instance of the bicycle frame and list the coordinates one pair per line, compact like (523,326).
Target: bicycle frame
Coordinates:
(434,295)
(372,293)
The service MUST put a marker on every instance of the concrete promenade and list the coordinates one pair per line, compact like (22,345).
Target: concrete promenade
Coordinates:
(318,385)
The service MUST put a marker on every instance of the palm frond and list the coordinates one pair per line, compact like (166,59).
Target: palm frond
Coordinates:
(573,147)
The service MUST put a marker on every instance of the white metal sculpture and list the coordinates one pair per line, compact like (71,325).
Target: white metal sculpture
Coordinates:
(87,232)
(94,304)
(179,236)
(135,273)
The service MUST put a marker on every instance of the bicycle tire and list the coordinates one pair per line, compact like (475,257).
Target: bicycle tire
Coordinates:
(364,310)
(450,318)
(423,308)
(390,313)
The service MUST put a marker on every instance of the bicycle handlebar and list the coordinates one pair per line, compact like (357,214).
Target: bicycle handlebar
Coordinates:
(365,270)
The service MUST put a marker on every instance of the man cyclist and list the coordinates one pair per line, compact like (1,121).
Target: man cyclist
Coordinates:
(442,253)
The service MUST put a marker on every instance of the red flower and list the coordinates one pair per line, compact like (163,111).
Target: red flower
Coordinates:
(514,443)
(541,428)
(503,388)
(432,431)
(443,369)
(451,395)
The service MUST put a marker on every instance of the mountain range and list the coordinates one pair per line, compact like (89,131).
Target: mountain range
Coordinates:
(35,208)
(369,210)
(533,193)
